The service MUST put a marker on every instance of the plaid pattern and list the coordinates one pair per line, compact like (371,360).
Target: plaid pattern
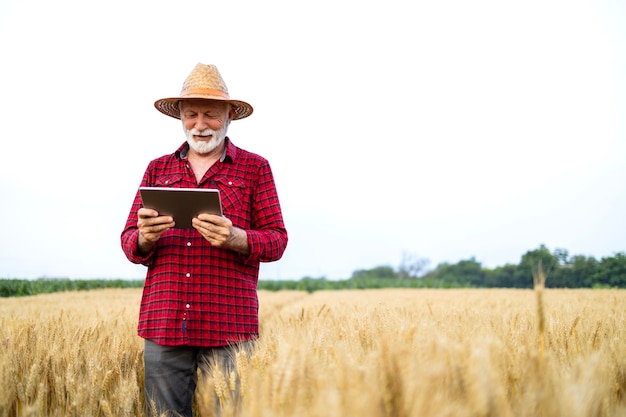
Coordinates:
(196,294)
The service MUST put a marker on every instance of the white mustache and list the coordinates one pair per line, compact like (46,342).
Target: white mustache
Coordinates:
(205,132)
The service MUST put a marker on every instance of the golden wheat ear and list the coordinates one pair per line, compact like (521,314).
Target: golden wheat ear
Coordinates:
(539,281)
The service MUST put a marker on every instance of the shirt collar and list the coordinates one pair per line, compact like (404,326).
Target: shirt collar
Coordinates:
(230,151)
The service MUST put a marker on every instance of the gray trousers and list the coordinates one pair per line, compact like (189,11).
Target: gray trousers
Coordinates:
(171,374)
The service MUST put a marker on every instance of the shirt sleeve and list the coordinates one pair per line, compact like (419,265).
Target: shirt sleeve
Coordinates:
(130,247)
(130,235)
(267,237)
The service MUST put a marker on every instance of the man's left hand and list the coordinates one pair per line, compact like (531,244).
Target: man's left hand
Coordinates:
(220,232)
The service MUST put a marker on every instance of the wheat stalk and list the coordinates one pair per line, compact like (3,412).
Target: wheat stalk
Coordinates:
(539,280)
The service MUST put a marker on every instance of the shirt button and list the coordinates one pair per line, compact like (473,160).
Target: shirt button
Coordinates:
(230,183)
(188,243)
(187,274)
(188,306)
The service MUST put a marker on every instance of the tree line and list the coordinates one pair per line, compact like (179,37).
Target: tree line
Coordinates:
(561,270)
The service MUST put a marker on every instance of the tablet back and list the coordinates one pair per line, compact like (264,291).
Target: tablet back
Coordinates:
(182,204)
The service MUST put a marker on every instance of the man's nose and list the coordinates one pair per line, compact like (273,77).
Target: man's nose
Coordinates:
(201,123)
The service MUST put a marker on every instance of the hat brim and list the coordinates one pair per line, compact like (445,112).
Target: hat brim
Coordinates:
(169,106)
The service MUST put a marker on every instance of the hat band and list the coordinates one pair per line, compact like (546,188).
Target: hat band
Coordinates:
(204,92)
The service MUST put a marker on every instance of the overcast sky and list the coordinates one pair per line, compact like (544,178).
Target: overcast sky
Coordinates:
(441,129)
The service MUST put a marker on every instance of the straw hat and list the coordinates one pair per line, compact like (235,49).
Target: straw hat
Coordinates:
(204,82)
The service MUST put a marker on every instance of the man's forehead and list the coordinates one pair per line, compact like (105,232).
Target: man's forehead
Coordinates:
(203,105)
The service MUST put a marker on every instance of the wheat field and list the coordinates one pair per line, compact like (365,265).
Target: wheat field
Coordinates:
(392,353)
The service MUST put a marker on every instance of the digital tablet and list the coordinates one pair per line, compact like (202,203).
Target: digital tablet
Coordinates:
(183,204)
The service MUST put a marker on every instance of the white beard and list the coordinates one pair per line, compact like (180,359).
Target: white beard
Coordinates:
(204,147)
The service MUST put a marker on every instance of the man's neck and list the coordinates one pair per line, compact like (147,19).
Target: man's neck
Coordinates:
(202,162)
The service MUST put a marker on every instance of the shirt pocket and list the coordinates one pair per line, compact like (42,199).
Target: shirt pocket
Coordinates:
(168,181)
(232,193)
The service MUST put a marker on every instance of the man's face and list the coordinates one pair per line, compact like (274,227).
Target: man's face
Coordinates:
(205,124)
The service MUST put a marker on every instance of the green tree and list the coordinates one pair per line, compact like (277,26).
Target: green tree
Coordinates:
(529,263)
(465,272)
(471,272)
(611,272)
(582,270)
(562,255)
(501,277)
(384,272)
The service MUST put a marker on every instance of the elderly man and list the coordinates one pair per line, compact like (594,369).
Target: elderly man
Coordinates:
(199,300)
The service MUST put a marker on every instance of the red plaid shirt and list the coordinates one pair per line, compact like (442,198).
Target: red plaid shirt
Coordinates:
(196,294)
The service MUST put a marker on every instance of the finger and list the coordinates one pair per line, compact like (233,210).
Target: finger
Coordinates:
(205,225)
(162,227)
(146,213)
(200,226)
(163,220)
(153,233)
(206,231)
(212,218)
(157,221)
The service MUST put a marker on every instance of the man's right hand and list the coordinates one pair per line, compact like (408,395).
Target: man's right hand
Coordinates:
(151,226)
